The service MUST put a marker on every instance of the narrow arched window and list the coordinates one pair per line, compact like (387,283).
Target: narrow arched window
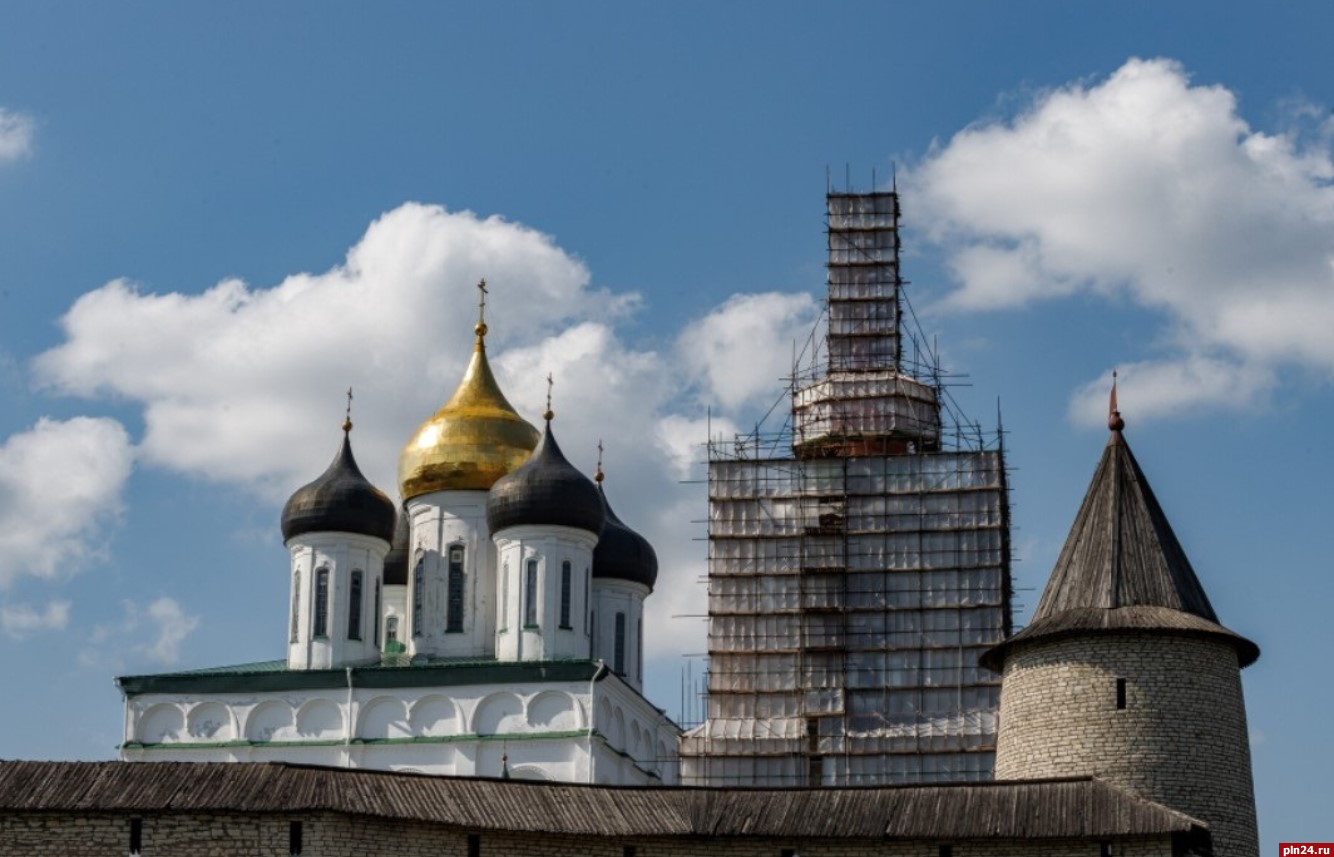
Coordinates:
(588,604)
(296,606)
(418,595)
(454,603)
(354,607)
(618,654)
(565,582)
(530,594)
(391,630)
(375,639)
(639,649)
(321,602)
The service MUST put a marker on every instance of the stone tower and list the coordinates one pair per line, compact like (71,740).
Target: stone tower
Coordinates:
(1124,672)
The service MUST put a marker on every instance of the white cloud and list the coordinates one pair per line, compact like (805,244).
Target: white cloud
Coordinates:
(60,490)
(1172,388)
(239,384)
(245,385)
(1149,187)
(20,620)
(170,626)
(742,350)
(155,633)
(16,130)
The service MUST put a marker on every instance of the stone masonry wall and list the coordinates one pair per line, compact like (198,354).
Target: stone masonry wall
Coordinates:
(1181,739)
(333,835)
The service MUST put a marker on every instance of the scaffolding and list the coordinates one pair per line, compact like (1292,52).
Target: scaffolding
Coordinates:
(859,561)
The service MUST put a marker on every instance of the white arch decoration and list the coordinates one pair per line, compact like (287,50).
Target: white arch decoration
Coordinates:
(211,721)
(271,720)
(319,719)
(161,724)
(499,713)
(383,717)
(553,711)
(434,715)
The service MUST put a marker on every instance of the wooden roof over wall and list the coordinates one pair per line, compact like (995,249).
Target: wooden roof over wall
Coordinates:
(1082,808)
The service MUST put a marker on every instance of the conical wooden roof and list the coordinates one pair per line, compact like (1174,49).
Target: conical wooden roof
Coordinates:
(1122,568)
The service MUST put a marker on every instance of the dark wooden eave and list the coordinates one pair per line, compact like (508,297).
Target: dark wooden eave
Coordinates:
(1122,568)
(1081,808)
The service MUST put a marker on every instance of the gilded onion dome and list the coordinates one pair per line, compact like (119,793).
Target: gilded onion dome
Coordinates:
(475,439)
(621,553)
(546,490)
(341,500)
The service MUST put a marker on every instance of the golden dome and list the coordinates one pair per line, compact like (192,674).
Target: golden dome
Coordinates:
(472,441)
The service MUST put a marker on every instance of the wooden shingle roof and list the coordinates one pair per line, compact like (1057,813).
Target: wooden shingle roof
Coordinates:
(1122,568)
(1077,808)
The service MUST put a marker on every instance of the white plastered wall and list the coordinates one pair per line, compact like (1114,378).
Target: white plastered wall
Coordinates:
(340,554)
(610,598)
(439,521)
(547,638)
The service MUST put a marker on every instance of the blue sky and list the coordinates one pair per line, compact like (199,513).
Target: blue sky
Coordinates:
(217,218)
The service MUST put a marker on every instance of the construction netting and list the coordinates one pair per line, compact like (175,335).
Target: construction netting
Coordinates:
(849,600)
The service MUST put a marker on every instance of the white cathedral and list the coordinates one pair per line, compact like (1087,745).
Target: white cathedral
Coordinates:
(491,624)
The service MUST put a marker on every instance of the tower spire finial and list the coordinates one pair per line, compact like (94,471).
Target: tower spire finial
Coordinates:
(549,414)
(347,417)
(1114,421)
(480,329)
(598,476)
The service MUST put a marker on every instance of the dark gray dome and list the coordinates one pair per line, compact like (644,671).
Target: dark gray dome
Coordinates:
(396,561)
(623,554)
(545,490)
(340,501)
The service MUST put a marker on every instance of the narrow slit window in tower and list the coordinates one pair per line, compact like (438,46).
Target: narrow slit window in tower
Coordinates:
(619,652)
(565,594)
(296,606)
(454,607)
(375,638)
(418,595)
(530,595)
(1120,693)
(354,607)
(321,602)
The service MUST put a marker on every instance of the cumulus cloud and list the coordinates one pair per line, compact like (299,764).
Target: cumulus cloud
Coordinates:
(239,383)
(155,633)
(20,620)
(16,130)
(741,351)
(1149,187)
(60,491)
(1173,388)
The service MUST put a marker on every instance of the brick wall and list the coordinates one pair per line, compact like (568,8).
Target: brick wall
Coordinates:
(1180,740)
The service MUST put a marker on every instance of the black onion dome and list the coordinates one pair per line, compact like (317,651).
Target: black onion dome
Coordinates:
(623,554)
(396,561)
(545,490)
(340,501)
